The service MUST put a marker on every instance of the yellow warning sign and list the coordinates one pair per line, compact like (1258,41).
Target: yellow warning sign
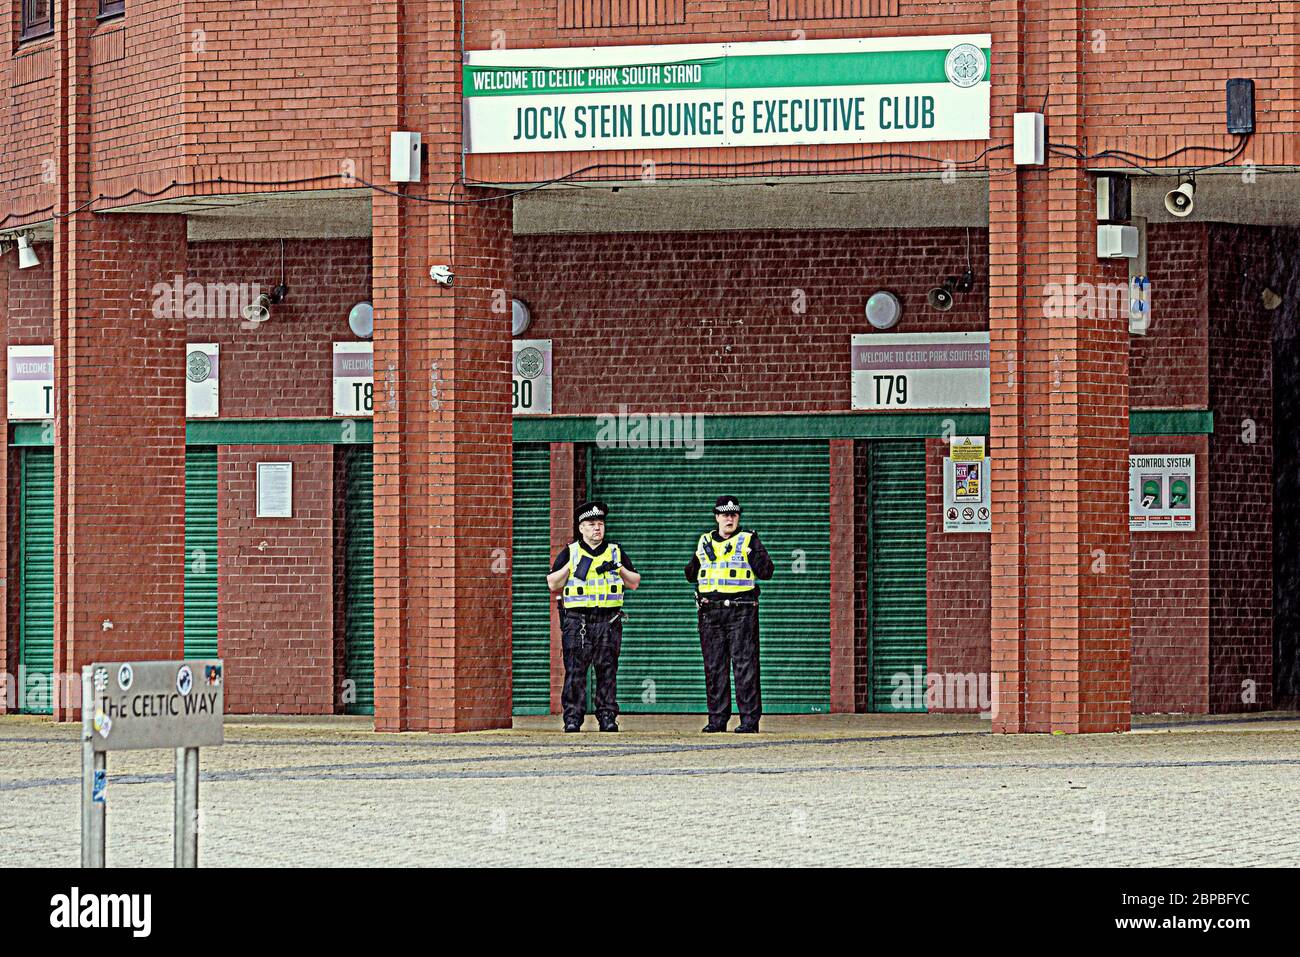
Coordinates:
(966,448)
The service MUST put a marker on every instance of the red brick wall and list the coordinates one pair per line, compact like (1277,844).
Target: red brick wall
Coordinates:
(137,114)
(28,122)
(276,601)
(1171,597)
(1241,472)
(284,85)
(283,367)
(29,303)
(688,321)
(1155,75)
(957,587)
(1169,366)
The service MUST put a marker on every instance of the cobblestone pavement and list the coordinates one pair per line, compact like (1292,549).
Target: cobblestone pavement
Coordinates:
(825,790)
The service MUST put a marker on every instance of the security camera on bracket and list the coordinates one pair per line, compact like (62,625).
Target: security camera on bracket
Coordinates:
(941,297)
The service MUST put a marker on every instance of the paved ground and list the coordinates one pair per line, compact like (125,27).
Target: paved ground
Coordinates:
(826,790)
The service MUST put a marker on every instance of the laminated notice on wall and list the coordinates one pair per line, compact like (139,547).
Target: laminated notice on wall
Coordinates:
(1162,493)
(965,486)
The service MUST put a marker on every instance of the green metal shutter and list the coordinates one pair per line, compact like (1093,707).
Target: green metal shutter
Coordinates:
(896,573)
(660,502)
(359,589)
(530,598)
(201,551)
(36,566)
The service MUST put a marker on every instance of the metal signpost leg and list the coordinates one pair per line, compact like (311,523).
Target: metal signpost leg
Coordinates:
(94,770)
(186,850)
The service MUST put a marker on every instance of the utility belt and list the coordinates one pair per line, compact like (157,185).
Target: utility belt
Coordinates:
(593,614)
(714,600)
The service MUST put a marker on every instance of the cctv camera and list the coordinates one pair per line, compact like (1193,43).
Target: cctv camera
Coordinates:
(940,297)
(1179,201)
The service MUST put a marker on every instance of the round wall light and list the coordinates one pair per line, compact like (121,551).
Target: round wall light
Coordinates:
(520,317)
(884,310)
(361,320)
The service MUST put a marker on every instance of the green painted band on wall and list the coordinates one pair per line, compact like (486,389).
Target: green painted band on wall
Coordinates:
(572,428)
(279,432)
(844,425)
(734,72)
(1171,422)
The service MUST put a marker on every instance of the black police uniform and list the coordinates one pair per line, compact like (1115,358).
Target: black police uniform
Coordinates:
(591,636)
(729,635)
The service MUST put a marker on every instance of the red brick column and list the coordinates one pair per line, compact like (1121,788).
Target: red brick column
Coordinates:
(842,552)
(563,499)
(1059,410)
(119,535)
(442,402)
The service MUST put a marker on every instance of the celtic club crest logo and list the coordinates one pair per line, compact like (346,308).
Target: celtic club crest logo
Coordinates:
(529,362)
(965,65)
(198,366)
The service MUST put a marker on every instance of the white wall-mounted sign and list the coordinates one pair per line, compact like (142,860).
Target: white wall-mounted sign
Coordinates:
(275,490)
(966,486)
(354,378)
(692,95)
(31,382)
(532,377)
(941,370)
(1162,493)
(202,373)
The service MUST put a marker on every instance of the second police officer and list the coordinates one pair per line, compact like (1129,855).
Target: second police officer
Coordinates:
(591,574)
(727,565)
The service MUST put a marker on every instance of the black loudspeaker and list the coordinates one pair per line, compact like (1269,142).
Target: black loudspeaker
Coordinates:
(1241,105)
(940,297)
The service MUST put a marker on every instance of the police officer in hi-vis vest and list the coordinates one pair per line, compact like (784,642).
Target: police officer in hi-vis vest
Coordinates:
(726,568)
(591,574)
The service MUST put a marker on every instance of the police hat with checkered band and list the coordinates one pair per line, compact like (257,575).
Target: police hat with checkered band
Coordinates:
(592,510)
(727,505)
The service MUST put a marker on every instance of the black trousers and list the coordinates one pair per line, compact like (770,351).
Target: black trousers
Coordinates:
(591,639)
(729,639)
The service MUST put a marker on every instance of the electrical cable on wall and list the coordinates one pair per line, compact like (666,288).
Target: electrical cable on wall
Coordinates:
(1060,149)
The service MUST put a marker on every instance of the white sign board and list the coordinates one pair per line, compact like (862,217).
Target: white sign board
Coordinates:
(693,95)
(1162,493)
(31,382)
(942,370)
(532,377)
(275,490)
(201,377)
(156,704)
(966,486)
(354,378)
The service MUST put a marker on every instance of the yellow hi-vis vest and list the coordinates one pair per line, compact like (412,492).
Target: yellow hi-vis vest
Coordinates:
(596,590)
(724,566)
